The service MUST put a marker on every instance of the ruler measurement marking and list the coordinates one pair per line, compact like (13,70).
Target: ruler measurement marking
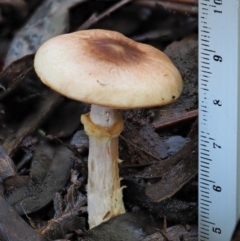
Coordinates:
(205,150)
(204,210)
(205,158)
(204,166)
(205,221)
(205,196)
(204,171)
(204,192)
(210,50)
(207,180)
(208,159)
(205,228)
(204,53)
(205,163)
(205,141)
(204,204)
(204,238)
(206,185)
(205,154)
(204,71)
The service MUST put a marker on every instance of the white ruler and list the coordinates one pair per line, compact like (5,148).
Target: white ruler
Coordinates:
(219,119)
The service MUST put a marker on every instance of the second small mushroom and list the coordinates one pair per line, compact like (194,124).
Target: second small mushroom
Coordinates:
(111,72)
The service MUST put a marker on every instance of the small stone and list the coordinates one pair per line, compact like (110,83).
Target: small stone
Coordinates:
(80,141)
(175,143)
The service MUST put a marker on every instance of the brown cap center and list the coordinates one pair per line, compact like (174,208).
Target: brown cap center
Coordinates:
(115,50)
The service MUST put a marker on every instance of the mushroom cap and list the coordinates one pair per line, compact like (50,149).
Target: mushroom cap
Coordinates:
(106,68)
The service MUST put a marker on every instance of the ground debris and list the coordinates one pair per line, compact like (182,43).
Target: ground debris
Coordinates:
(68,219)
(13,227)
(141,134)
(177,176)
(49,173)
(49,20)
(175,233)
(37,126)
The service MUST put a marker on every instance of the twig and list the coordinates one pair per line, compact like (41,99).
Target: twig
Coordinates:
(141,149)
(137,165)
(178,7)
(173,6)
(175,119)
(95,18)
(193,2)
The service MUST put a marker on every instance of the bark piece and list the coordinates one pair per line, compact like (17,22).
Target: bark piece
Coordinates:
(49,173)
(177,177)
(166,122)
(7,167)
(174,210)
(127,227)
(175,233)
(144,137)
(14,74)
(49,20)
(13,227)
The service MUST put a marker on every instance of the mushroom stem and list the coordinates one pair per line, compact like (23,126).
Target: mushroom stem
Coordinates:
(103,126)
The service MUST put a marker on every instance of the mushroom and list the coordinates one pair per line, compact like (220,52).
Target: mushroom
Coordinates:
(111,72)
